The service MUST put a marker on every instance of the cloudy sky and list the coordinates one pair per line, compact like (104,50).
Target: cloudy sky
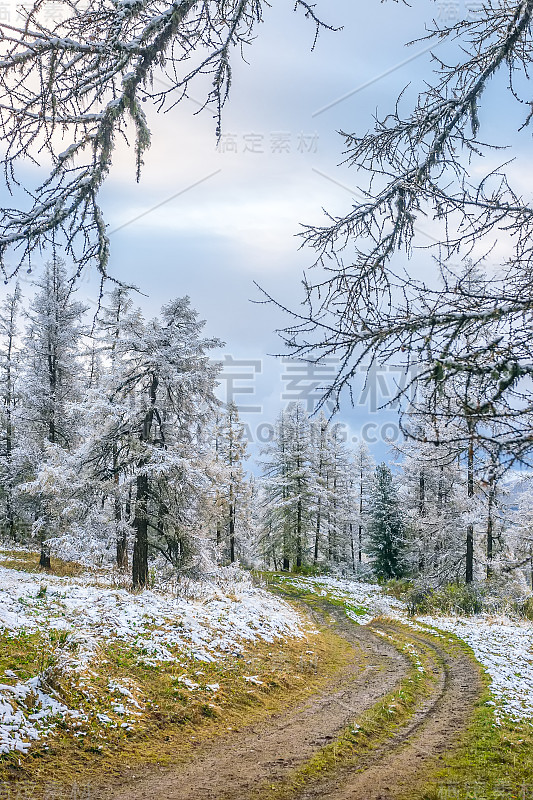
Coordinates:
(210,222)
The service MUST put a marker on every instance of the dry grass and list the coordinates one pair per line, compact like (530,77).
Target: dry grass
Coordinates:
(29,562)
(174,720)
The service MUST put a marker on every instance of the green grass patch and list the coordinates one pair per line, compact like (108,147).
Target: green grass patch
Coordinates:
(316,596)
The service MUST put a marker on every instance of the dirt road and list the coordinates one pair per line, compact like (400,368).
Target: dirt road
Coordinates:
(237,766)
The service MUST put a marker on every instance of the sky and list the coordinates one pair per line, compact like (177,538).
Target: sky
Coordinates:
(210,222)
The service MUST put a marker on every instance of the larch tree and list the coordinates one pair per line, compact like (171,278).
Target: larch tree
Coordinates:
(231,452)
(289,485)
(9,379)
(166,384)
(363,473)
(433,158)
(71,87)
(110,449)
(51,384)
(432,488)
(320,460)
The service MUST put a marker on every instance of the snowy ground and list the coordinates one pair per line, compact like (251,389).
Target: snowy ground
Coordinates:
(212,621)
(504,646)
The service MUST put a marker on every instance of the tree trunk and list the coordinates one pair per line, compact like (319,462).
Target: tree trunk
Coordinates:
(490,520)
(140,524)
(299,535)
(422,494)
(44,560)
(122,542)
(360,539)
(232,532)
(317,532)
(469,576)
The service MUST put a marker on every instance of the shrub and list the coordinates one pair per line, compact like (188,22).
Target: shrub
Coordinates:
(454,598)
(524,608)
(397,587)
(309,570)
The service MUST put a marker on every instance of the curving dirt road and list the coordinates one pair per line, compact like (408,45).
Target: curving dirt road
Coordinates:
(237,766)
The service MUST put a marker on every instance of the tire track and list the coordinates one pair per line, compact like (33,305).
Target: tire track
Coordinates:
(237,765)
(403,762)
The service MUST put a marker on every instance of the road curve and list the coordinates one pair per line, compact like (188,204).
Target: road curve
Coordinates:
(235,767)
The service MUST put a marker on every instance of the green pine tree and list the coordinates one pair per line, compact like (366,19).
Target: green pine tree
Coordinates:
(385,543)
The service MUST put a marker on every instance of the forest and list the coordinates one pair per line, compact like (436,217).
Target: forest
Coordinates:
(185,613)
(116,451)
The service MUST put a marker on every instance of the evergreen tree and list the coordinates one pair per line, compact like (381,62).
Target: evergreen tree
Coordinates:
(385,544)
(363,473)
(289,486)
(165,387)
(432,485)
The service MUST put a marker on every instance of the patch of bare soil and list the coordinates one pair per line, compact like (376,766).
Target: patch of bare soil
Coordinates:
(236,765)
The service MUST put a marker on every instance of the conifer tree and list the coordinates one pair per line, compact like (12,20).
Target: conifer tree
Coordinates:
(52,383)
(231,449)
(290,486)
(364,467)
(385,544)
(9,378)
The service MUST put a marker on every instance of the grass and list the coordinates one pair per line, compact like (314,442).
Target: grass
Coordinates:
(493,760)
(174,720)
(490,761)
(282,584)
(29,562)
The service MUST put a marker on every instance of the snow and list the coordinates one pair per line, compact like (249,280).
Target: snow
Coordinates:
(502,645)
(25,710)
(505,648)
(213,621)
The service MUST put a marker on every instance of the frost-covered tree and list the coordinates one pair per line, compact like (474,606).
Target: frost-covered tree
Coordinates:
(386,531)
(432,489)
(520,541)
(433,157)
(289,486)
(363,473)
(320,463)
(9,389)
(52,357)
(308,496)
(340,497)
(164,385)
(232,486)
(51,385)
(75,82)
(110,449)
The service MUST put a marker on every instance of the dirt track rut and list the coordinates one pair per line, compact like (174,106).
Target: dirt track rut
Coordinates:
(233,768)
